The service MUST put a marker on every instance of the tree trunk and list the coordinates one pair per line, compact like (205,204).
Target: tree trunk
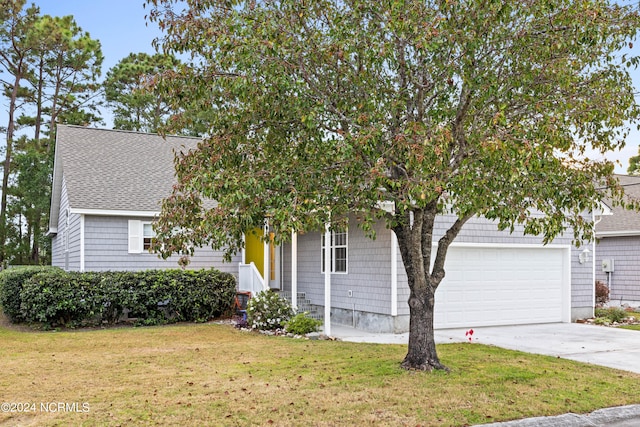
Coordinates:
(421,353)
(415,240)
(6,173)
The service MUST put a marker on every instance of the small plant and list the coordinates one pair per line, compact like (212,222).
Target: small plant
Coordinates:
(613,314)
(268,311)
(469,335)
(603,321)
(602,293)
(302,324)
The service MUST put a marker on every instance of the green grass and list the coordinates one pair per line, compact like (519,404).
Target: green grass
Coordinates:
(215,375)
(632,327)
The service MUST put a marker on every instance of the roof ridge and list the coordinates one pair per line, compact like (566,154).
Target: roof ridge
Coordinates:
(130,132)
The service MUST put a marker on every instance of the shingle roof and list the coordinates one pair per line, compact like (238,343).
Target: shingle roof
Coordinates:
(622,221)
(114,170)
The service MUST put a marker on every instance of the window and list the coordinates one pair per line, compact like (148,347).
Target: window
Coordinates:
(147,235)
(140,236)
(339,239)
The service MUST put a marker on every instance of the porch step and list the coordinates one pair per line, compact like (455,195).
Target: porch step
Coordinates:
(304,305)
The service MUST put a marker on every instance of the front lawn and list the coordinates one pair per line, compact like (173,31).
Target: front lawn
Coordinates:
(211,374)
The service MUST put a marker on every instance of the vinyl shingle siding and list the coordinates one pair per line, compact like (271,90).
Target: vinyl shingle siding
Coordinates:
(619,240)
(106,246)
(369,276)
(625,279)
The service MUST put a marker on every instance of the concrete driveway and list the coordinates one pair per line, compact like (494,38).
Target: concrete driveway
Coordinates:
(611,347)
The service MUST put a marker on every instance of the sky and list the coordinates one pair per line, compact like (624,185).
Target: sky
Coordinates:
(121,27)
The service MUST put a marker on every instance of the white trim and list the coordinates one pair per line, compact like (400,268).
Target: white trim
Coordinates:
(509,245)
(243,252)
(394,274)
(620,233)
(593,260)
(115,212)
(327,281)
(333,247)
(266,260)
(602,209)
(566,286)
(294,270)
(135,236)
(81,243)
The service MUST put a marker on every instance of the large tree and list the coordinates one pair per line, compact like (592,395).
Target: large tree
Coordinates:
(134,107)
(469,107)
(634,164)
(16,22)
(50,70)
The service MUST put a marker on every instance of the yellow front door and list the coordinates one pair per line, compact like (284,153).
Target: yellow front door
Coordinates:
(254,252)
(254,249)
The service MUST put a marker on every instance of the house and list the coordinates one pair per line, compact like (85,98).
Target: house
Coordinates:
(108,186)
(618,248)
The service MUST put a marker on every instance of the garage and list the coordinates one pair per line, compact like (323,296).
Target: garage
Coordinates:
(504,285)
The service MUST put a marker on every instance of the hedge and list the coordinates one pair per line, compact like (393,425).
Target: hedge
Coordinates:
(11,282)
(58,298)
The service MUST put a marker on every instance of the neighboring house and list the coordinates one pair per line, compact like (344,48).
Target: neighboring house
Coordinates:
(618,248)
(108,186)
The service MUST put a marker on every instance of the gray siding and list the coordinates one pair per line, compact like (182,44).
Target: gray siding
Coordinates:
(368,277)
(59,257)
(57,242)
(106,248)
(369,267)
(624,282)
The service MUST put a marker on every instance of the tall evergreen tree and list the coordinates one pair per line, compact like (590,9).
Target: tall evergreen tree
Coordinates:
(55,68)
(125,87)
(15,49)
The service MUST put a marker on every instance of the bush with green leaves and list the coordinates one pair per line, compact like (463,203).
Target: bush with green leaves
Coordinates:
(11,282)
(153,297)
(612,314)
(60,298)
(302,324)
(268,311)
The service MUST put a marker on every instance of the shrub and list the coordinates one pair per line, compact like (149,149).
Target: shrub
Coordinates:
(153,297)
(268,311)
(302,324)
(602,293)
(613,314)
(11,283)
(60,298)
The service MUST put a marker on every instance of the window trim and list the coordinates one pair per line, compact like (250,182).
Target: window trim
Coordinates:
(333,251)
(136,236)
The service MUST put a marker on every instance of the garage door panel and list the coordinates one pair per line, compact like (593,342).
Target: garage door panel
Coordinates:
(500,286)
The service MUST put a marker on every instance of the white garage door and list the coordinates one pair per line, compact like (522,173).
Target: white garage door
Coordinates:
(502,286)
